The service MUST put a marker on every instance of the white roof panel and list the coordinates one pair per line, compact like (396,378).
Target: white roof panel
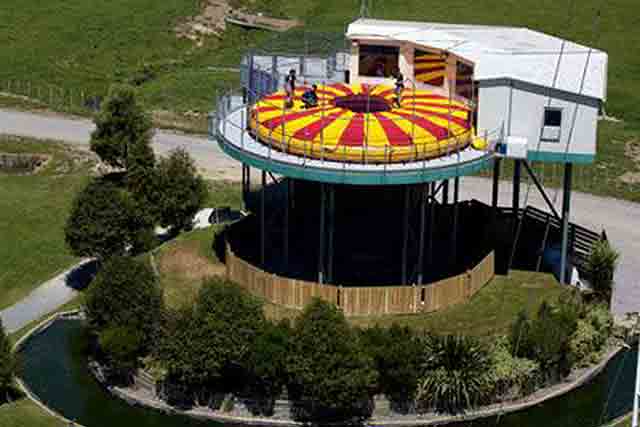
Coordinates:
(502,52)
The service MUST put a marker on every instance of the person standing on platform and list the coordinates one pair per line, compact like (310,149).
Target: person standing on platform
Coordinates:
(290,87)
(399,88)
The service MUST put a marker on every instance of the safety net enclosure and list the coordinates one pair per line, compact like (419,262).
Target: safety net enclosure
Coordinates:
(364,123)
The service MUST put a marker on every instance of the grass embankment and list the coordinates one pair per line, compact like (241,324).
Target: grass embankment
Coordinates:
(186,261)
(25,413)
(33,211)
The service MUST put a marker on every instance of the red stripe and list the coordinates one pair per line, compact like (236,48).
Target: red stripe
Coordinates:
(353,135)
(428,60)
(433,104)
(277,121)
(385,93)
(429,70)
(265,109)
(453,119)
(344,88)
(437,81)
(395,134)
(309,132)
(437,131)
(279,97)
(420,96)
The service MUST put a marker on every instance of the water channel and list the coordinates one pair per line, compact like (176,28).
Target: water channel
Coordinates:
(55,370)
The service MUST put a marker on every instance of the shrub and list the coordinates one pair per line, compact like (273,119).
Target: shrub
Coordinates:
(331,378)
(122,138)
(8,366)
(545,339)
(203,348)
(104,222)
(125,294)
(512,376)
(457,374)
(397,353)
(590,336)
(601,265)
(180,191)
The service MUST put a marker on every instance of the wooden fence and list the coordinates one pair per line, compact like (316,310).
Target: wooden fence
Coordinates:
(361,301)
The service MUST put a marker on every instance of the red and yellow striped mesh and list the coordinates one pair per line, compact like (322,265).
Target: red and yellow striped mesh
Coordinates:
(430,68)
(425,125)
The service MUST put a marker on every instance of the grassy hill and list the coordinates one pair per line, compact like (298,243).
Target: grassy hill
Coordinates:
(87,45)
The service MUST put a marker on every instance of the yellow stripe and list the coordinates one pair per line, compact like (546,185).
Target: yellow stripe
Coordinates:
(331,134)
(428,65)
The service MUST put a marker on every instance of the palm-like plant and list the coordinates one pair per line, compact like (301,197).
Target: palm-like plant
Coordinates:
(457,374)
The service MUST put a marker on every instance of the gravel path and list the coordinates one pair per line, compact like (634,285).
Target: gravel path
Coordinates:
(621,219)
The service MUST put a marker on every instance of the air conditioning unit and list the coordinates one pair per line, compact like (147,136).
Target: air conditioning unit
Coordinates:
(514,147)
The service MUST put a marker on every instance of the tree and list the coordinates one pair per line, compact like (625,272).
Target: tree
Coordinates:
(331,377)
(122,347)
(180,191)
(266,365)
(122,138)
(125,294)
(601,265)
(8,366)
(104,222)
(397,353)
(457,374)
(205,347)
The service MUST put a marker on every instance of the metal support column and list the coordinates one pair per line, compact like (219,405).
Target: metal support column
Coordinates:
(454,234)
(332,216)
(424,193)
(262,222)
(496,183)
(244,186)
(321,235)
(517,166)
(516,196)
(566,203)
(285,237)
(445,191)
(405,233)
(432,221)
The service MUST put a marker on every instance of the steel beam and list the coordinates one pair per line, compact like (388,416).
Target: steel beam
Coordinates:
(321,234)
(566,204)
(405,233)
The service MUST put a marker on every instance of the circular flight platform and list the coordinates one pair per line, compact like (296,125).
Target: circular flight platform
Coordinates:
(363,124)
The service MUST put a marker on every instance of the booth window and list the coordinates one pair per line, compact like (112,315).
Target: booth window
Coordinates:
(378,61)
(464,80)
(552,124)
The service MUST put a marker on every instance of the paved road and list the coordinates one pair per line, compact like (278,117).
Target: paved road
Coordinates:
(208,156)
(621,219)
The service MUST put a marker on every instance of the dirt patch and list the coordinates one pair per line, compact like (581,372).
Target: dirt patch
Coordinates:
(632,150)
(213,18)
(186,262)
(210,22)
(23,163)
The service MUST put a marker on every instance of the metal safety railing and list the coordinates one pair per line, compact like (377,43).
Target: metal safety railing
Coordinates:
(367,148)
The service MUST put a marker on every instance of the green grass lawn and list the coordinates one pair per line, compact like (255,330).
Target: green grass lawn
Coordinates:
(25,413)
(490,311)
(33,211)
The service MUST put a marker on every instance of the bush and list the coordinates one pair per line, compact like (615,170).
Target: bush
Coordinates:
(590,336)
(601,265)
(125,294)
(203,349)
(512,376)
(180,191)
(104,222)
(8,366)
(397,353)
(457,374)
(331,376)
